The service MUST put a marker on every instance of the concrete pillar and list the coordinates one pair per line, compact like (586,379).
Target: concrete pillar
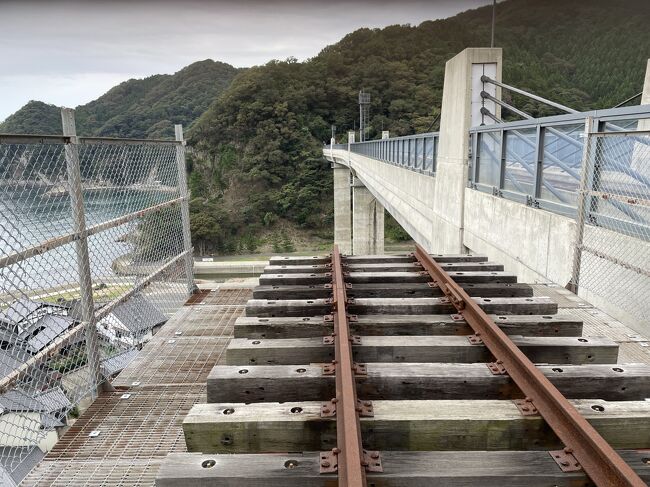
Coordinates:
(461,105)
(385,134)
(645,96)
(342,208)
(367,221)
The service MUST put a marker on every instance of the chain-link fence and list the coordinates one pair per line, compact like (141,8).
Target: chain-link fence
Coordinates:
(612,250)
(95,256)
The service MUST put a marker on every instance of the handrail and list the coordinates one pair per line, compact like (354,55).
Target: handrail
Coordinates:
(7,138)
(605,115)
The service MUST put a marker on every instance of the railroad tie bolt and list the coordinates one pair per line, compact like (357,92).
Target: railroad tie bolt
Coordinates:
(525,408)
(568,450)
(334,362)
(325,463)
(335,400)
(499,362)
(367,404)
(336,451)
(374,455)
(326,410)
(364,463)
(528,399)
(565,463)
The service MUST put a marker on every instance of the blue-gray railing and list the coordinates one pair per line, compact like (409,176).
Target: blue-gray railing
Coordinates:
(414,152)
(538,162)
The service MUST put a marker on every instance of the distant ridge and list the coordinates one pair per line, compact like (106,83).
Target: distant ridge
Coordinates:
(137,108)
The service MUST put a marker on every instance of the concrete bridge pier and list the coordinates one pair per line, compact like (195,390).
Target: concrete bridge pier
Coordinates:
(342,208)
(367,221)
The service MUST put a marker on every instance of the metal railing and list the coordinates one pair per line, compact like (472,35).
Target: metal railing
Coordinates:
(414,152)
(538,162)
(95,255)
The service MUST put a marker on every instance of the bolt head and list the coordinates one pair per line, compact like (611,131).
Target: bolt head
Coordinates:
(325,463)
(374,455)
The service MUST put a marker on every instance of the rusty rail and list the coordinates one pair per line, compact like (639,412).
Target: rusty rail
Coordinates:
(348,457)
(598,459)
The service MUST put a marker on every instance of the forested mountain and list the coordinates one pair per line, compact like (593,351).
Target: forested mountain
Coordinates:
(257,174)
(137,108)
(259,163)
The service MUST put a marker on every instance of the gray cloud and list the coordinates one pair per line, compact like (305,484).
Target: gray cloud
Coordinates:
(70,52)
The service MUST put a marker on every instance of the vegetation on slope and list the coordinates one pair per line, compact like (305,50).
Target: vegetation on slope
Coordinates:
(258,166)
(137,108)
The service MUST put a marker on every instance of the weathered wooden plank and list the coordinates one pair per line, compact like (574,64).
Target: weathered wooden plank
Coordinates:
(389,290)
(441,258)
(552,350)
(297,279)
(459,276)
(300,260)
(313,307)
(530,305)
(383,267)
(416,266)
(269,383)
(400,469)
(388,325)
(297,269)
(385,277)
(372,259)
(417,425)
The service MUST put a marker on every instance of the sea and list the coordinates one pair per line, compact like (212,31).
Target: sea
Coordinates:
(30,217)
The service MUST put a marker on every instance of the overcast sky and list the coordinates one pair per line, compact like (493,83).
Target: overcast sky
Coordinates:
(71,52)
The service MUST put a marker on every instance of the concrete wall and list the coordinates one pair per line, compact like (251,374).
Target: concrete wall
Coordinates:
(534,243)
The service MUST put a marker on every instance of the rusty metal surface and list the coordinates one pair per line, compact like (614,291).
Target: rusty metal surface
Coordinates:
(348,455)
(599,460)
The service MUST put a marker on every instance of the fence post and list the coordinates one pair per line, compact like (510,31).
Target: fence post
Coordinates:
(81,246)
(582,208)
(185,209)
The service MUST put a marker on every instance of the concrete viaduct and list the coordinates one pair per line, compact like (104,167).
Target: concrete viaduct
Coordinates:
(513,191)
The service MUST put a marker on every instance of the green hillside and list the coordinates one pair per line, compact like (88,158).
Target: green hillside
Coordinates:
(137,108)
(260,166)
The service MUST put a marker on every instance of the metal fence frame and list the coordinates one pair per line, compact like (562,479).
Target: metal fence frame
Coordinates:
(598,121)
(85,326)
(413,152)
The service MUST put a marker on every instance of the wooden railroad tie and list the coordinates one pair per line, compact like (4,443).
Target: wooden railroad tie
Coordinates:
(436,406)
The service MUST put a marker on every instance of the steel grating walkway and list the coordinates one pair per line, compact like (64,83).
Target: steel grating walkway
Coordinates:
(141,422)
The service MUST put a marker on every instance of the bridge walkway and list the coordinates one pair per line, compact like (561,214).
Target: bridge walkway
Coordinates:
(141,422)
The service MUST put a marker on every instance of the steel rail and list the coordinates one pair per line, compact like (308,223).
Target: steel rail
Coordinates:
(351,472)
(598,459)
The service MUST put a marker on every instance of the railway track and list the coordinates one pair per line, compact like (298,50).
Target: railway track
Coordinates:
(413,370)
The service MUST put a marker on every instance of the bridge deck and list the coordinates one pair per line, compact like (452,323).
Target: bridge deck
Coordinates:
(137,433)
